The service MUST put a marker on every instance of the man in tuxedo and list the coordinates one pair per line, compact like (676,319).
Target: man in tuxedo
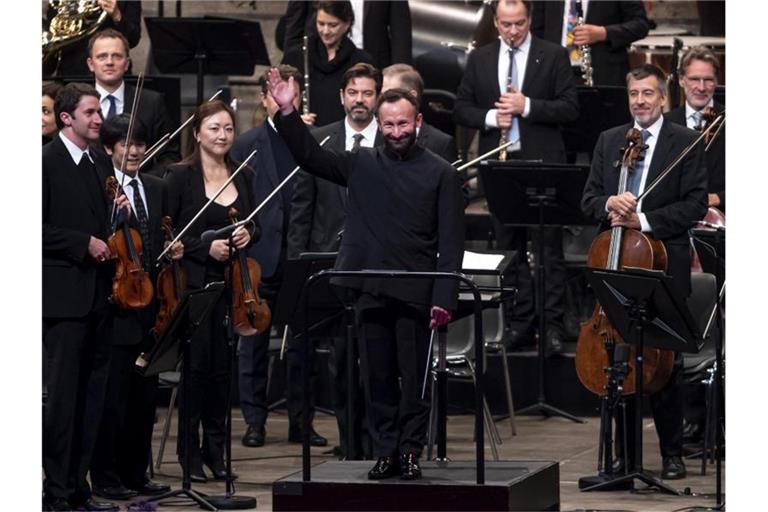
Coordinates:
(383,29)
(121,458)
(609,28)
(405,213)
(272,164)
(699,69)
(529,96)
(77,276)
(109,60)
(665,214)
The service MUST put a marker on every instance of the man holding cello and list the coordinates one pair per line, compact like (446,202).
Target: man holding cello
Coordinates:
(665,215)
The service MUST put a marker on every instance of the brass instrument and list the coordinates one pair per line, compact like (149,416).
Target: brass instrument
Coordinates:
(74,20)
(586,53)
(305,93)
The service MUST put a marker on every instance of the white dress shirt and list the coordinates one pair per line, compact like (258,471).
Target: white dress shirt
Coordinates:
(369,134)
(119,96)
(128,188)
(75,152)
(356,34)
(566,7)
(645,165)
(690,119)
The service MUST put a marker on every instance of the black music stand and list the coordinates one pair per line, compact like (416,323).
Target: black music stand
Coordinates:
(644,307)
(531,194)
(204,46)
(192,311)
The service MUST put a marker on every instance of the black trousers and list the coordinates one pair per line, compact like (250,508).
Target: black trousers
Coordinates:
(394,341)
(125,434)
(77,367)
(667,407)
(253,362)
(208,382)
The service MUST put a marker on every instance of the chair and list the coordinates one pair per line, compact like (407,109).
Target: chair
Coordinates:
(168,380)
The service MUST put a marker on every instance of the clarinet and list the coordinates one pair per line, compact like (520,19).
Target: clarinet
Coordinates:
(503,137)
(305,92)
(586,52)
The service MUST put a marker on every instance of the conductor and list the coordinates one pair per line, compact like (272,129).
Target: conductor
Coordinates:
(405,212)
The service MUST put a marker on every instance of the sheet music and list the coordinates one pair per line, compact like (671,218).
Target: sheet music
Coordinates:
(481,261)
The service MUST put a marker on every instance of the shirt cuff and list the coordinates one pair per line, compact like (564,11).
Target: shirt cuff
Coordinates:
(644,226)
(527,109)
(490,119)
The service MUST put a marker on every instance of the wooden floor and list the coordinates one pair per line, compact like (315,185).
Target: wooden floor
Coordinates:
(573,445)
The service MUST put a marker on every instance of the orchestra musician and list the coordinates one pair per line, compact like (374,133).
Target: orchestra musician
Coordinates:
(665,214)
(191,183)
(529,112)
(77,317)
(121,458)
(405,213)
(49,117)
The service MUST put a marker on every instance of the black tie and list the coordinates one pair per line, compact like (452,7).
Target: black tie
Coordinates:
(358,138)
(141,216)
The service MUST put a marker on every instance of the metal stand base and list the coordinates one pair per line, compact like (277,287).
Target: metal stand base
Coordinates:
(198,497)
(548,410)
(231,502)
(644,476)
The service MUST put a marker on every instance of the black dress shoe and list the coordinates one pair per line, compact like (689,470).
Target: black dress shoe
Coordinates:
(409,467)
(385,467)
(254,436)
(118,492)
(151,488)
(219,470)
(197,475)
(673,468)
(315,439)
(56,504)
(101,506)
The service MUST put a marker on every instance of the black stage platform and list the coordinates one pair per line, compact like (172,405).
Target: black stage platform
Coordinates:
(509,485)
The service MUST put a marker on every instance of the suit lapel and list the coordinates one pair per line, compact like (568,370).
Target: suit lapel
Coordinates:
(660,153)
(533,61)
(492,63)
(266,158)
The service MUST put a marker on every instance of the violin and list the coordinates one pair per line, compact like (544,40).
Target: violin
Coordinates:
(250,313)
(171,283)
(615,249)
(131,285)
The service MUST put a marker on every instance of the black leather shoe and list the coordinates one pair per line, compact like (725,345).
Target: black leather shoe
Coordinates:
(409,467)
(673,468)
(101,506)
(219,470)
(315,439)
(197,475)
(385,467)
(151,488)
(254,436)
(56,505)
(119,492)
(553,343)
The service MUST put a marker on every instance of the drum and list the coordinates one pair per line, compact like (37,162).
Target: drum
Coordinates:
(657,49)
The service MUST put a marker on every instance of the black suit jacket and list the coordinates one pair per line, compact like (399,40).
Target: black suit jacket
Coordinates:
(386,29)
(548,82)
(625,22)
(403,214)
(715,157)
(267,250)
(186,196)
(74,209)
(435,140)
(132,326)
(153,114)
(671,207)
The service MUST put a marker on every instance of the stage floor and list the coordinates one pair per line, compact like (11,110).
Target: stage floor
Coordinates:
(573,445)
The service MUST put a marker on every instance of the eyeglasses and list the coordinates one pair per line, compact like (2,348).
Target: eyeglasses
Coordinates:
(704,82)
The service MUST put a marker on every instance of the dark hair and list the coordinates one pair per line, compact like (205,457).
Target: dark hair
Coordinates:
(394,95)
(646,70)
(286,71)
(109,33)
(68,98)
(409,78)
(361,70)
(203,111)
(699,53)
(115,129)
(527,3)
(341,9)
(51,89)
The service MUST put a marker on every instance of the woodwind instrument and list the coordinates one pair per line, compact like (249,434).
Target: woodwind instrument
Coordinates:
(503,138)
(585,51)
(305,93)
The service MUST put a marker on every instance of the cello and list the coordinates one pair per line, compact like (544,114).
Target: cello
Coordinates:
(615,249)
(250,313)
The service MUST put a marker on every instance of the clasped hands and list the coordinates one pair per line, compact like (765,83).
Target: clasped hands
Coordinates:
(509,105)
(622,210)
(220,249)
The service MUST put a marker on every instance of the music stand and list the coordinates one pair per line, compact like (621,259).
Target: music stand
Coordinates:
(204,46)
(532,194)
(192,311)
(644,307)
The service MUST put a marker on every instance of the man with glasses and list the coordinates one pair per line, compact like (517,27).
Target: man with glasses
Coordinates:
(699,69)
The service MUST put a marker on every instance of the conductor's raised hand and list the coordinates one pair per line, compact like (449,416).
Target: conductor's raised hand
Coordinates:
(282,91)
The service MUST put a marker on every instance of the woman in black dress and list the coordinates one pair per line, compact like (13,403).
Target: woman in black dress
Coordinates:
(331,53)
(191,183)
